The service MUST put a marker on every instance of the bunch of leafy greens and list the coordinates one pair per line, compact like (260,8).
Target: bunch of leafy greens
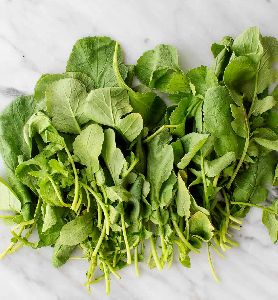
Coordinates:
(98,165)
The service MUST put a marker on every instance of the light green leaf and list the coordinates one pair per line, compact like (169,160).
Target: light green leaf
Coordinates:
(65,99)
(239,78)
(271,222)
(108,106)
(216,166)
(167,190)
(261,106)
(159,69)
(249,43)
(202,78)
(87,147)
(191,144)
(240,119)
(112,155)
(251,184)
(93,56)
(200,226)
(13,146)
(8,199)
(61,254)
(218,119)
(183,199)
(76,231)
(159,166)
(47,79)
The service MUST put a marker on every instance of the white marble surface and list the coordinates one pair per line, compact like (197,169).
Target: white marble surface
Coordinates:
(36,37)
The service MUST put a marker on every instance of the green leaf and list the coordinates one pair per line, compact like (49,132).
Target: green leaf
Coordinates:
(87,147)
(190,145)
(216,166)
(167,190)
(222,53)
(93,56)
(218,119)
(61,254)
(200,227)
(240,119)
(112,155)
(202,78)
(76,231)
(143,100)
(239,78)
(248,43)
(13,147)
(261,106)
(47,79)
(108,106)
(159,69)
(183,199)
(65,100)
(8,199)
(251,184)
(159,165)
(270,221)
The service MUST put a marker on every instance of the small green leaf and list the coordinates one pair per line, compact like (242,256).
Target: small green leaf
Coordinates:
(76,231)
(216,166)
(261,106)
(270,221)
(112,155)
(200,226)
(183,199)
(87,147)
(159,69)
(191,144)
(8,199)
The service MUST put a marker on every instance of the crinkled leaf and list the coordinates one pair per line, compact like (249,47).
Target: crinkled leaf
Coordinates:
(93,56)
(200,226)
(65,100)
(108,106)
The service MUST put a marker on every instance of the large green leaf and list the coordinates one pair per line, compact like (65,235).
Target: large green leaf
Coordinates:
(108,106)
(65,100)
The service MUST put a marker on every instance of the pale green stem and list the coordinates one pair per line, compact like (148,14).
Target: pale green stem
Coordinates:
(102,206)
(136,261)
(128,254)
(131,167)
(154,254)
(158,131)
(76,181)
(183,239)
(216,278)
(257,206)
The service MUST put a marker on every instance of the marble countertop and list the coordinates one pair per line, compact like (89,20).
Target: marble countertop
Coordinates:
(36,37)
